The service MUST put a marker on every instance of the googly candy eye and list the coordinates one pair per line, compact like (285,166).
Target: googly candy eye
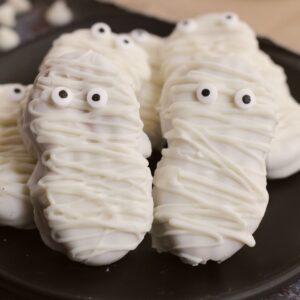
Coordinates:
(186,25)
(244,99)
(100,30)
(16,92)
(61,96)
(139,34)
(230,19)
(124,41)
(97,97)
(207,93)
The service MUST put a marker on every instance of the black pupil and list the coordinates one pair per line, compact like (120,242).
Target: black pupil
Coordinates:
(228,17)
(63,94)
(246,99)
(205,92)
(17,91)
(126,41)
(96,97)
(101,29)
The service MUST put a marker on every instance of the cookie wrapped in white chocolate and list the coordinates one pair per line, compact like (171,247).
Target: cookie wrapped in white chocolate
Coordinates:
(16,165)
(149,94)
(91,189)
(210,186)
(222,34)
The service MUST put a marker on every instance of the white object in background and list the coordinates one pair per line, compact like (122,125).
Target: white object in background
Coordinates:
(20,6)
(59,14)
(9,39)
(7,15)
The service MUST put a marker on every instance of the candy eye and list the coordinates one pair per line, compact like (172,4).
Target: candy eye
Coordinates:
(186,25)
(230,20)
(16,92)
(139,34)
(61,96)
(206,93)
(97,97)
(244,99)
(100,30)
(123,41)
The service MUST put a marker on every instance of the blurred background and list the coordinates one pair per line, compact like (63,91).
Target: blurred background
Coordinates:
(276,19)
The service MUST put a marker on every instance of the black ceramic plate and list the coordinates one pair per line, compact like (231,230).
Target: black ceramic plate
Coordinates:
(34,271)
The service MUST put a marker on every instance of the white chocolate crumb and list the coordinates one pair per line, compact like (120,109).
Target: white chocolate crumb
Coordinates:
(20,6)
(9,39)
(59,14)
(7,15)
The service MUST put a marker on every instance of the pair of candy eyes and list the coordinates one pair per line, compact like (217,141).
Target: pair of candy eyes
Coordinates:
(96,97)
(243,99)
(100,30)
(229,20)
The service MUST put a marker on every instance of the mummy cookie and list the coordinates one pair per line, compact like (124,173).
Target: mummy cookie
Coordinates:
(16,164)
(149,94)
(210,186)
(131,59)
(216,35)
(91,188)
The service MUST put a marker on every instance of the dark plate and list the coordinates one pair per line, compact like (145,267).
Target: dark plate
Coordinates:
(31,269)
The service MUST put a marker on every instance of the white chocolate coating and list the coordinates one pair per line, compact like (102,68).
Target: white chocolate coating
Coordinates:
(213,36)
(208,37)
(149,94)
(21,6)
(59,14)
(16,165)
(210,186)
(130,58)
(91,188)
(9,39)
(7,15)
